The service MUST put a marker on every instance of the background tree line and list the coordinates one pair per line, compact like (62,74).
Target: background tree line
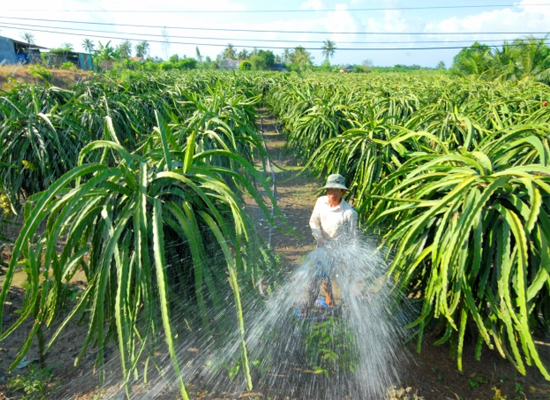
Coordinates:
(521,59)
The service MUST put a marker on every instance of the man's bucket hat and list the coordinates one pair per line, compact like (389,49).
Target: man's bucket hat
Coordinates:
(335,181)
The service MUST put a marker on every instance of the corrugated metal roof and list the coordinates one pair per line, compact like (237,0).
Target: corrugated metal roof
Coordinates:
(234,64)
(21,43)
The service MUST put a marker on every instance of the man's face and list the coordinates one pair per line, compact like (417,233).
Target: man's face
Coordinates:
(335,196)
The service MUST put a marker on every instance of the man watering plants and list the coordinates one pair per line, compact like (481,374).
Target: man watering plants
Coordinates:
(333,223)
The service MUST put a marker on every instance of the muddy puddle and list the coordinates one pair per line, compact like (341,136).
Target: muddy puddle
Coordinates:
(20,277)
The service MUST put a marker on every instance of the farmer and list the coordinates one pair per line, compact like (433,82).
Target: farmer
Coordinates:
(333,223)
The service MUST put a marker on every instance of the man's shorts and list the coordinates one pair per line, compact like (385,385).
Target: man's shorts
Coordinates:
(323,269)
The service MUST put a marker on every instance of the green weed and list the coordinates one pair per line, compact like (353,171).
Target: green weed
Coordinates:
(36,384)
(38,71)
(330,348)
(518,388)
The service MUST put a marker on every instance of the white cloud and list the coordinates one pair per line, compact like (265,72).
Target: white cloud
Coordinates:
(341,20)
(313,5)
(527,18)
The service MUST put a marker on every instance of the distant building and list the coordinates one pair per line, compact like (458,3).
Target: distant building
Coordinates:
(14,51)
(81,60)
(138,59)
(347,68)
(229,65)
(279,67)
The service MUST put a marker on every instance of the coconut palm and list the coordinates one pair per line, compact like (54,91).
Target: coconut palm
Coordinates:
(527,58)
(124,49)
(503,63)
(243,55)
(472,60)
(286,56)
(198,54)
(67,47)
(329,48)
(229,53)
(533,58)
(88,45)
(27,37)
(477,63)
(301,57)
(142,49)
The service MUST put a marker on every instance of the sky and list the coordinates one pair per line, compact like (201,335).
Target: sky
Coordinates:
(384,32)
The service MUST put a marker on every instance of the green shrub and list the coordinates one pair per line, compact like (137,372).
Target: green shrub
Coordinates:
(245,66)
(167,66)
(38,71)
(187,63)
(68,66)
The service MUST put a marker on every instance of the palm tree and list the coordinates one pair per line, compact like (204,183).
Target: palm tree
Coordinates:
(329,48)
(67,47)
(243,55)
(27,37)
(533,58)
(229,53)
(198,53)
(142,49)
(503,63)
(125,49)
(88,45)
(475,60)
(301,57)
(286,56)
(477,63)
(472,60)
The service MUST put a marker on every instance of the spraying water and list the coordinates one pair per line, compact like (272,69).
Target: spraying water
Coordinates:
(353,350)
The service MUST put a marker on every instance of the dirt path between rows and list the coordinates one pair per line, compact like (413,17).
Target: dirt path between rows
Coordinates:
(432,374)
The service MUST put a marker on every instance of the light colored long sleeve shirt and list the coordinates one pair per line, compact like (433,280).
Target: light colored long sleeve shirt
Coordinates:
(333,223)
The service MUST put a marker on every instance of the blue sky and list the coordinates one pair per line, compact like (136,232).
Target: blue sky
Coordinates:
(356,26)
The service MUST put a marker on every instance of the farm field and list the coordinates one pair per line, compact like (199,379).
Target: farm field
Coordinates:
(140,182)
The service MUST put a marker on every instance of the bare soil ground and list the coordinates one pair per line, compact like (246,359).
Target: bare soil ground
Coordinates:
(431,374)
(11,75)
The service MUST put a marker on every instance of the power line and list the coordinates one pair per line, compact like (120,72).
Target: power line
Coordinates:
(233,40)
(276,31)
(274,11)
(277,47)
